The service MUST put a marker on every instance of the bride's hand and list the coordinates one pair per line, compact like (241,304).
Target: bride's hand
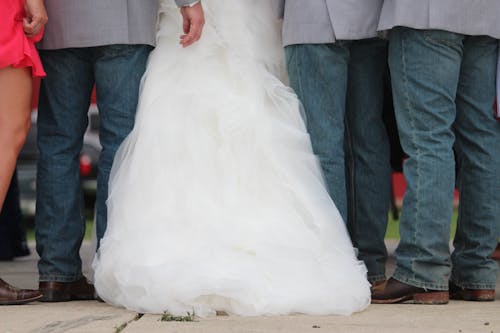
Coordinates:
(193,21)
(36,17)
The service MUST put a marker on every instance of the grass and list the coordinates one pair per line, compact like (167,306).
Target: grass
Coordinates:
(120,328)
(168,317)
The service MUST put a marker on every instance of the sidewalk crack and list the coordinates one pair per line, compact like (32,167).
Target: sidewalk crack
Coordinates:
(121,327)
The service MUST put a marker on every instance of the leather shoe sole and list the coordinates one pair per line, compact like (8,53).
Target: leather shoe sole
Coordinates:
(21,301)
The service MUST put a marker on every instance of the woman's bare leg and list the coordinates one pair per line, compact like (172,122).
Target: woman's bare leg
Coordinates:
(15,109)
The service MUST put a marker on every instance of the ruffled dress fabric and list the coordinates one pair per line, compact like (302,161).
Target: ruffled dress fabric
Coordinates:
(16,49)
(216,200)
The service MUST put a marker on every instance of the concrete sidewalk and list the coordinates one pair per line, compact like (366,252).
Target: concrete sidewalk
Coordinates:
(91,316)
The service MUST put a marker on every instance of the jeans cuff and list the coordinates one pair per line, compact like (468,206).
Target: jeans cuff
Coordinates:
(59,278)
(475,286)
(376,278)
(401,277)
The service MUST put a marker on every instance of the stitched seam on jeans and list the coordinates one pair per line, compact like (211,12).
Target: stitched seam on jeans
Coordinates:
(352,199)
(294,59)
(460,208)
(412,135)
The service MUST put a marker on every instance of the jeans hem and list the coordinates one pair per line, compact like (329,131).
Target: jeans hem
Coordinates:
(59,278)
(475,286)
(419,283)
(376,278)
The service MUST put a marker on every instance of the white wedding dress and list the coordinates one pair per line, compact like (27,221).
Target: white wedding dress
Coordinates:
(216,200)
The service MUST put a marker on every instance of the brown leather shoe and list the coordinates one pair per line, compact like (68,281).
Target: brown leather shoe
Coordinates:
(476,295)
(377,285)
(496,253)
(398,292)
(10,295)
(79,290)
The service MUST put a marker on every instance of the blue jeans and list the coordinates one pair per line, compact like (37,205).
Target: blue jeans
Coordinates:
(341,88)
(444,91)
(65,95)
(12,231)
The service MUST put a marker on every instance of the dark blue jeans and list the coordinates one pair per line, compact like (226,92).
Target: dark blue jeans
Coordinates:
(65,94)
(444,92)
(341,87)
(12,230)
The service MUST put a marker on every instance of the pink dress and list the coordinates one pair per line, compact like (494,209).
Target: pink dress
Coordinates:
(16,49)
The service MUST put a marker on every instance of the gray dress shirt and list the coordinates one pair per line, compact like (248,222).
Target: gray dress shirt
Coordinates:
(87,23)
(468,17)
(325,21)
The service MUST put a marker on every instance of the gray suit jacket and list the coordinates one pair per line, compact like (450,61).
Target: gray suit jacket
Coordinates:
(325,21)
(87,23)
(468,17)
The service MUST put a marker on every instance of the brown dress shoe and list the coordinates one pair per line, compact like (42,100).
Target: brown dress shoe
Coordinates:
(496,253)
(477,295)
(398,292)
(377,284)
(79,290)
(10,295)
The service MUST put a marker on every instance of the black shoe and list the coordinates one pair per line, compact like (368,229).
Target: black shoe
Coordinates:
(21,250)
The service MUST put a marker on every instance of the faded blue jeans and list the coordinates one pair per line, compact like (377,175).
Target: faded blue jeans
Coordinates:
(62,119)
(341,87)
(444,91)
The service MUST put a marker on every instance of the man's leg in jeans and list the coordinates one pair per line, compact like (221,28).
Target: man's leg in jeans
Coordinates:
(368,155)
(318,74)
(425,68)
(478,155)
(62,120)
(118,73)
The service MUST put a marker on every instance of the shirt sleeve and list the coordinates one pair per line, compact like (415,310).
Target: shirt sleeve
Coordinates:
(183,3)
